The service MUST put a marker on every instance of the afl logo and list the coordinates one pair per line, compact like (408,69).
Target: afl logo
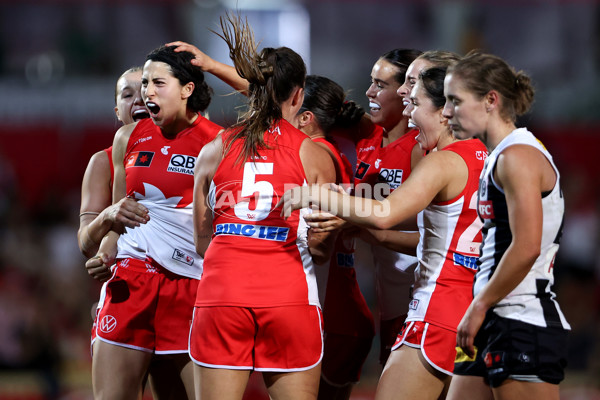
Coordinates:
(108,324)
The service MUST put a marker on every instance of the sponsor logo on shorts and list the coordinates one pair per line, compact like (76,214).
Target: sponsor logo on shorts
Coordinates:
(461,356)
(151,268)
(466,261)
(524,358)
(275,233)
(486,209)
(181,256)
(139,159)
(108,324)
(414,303)
(124,263)
(182,164)
(493,359)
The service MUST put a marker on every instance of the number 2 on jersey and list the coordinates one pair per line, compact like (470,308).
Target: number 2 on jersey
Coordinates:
(466,242)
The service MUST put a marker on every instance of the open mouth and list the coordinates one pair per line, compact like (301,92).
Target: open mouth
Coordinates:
(374,106)
(140,114)
(153,108)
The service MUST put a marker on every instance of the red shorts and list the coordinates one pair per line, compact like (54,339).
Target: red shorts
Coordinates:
(343,358)
(437,344)
(146,307)
(276,339)
(94,324)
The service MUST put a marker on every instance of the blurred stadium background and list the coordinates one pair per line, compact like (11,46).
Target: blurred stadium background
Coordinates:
(59,60)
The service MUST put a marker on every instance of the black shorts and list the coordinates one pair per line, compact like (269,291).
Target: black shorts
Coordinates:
(511,349)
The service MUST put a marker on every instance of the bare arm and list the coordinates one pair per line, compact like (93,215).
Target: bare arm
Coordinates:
(108,247)
(520,173)
(319,169)
(97,216)
(437,177)
(208,160)
(224,72)
(400,241)
(95,197)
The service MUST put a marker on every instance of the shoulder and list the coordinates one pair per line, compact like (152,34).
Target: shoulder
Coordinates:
(209,159)
(209,126)
(212,152)
(122,138)
(441,165)
(520,157)
(472,151)
(317,148)
(524,167)
(100,159)
(312,153)
(124,132)
(447,157)
(327,146)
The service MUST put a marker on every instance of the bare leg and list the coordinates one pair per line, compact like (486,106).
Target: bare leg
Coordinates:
(407,375)
(172,377)
(469,387)
(301,385)
(511,389)
(118,372)
(220,384)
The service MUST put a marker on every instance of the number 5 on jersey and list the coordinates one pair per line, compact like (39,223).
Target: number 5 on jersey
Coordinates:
(262,191)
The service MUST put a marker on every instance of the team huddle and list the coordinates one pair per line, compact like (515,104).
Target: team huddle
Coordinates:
(228,250)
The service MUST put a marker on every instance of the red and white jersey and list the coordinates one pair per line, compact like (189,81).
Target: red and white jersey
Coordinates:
(112,168)
(449,248)
(367,157)
(256,257)
(345,310)
(389,166)
(344,170)
(159,173)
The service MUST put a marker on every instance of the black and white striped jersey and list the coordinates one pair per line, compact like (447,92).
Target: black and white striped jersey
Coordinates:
(533,300)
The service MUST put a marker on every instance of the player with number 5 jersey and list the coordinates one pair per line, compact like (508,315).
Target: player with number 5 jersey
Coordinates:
(242,197)
(257,307)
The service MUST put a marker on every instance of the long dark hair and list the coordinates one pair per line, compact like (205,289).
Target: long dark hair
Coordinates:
(273,75)
(433,83)
(401,59)
(327,101)
(183,69)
